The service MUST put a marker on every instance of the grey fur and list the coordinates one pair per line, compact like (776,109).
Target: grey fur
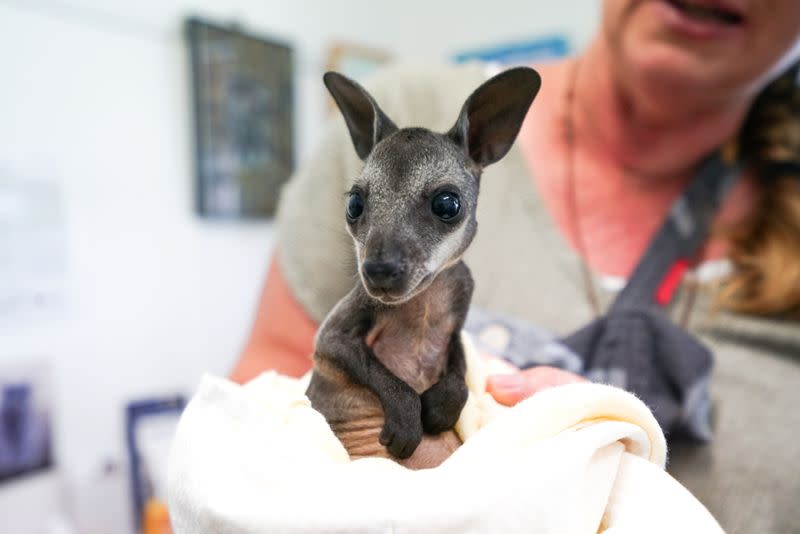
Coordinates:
(388,363)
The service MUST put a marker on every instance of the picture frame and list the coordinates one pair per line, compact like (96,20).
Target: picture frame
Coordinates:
(149,427)
(26,446)
(523,52)
(356,61)
(243,106)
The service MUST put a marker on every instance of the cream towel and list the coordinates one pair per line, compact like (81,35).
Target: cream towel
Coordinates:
(581,458)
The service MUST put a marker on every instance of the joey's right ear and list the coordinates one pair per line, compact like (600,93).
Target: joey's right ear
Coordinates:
(365,120)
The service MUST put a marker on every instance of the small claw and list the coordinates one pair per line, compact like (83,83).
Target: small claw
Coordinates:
(386,437)
(403,450)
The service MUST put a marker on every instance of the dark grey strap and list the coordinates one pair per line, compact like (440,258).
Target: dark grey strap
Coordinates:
(682,233)
(660,362)
(635,346)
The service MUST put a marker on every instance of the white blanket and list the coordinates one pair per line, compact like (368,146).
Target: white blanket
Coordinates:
(581,458)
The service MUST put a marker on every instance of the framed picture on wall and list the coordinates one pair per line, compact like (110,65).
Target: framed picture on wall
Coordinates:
(25,425)
(242,92)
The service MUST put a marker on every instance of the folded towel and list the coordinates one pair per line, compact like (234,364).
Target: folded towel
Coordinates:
(580,458)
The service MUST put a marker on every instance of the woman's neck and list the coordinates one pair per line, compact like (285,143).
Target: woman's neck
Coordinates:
(630,159)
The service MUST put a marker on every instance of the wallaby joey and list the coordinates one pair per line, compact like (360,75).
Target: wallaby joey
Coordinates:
(388,363)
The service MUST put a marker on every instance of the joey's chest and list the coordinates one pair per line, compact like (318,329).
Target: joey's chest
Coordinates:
(412,339)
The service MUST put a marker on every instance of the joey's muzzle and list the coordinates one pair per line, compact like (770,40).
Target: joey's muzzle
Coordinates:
(384,276)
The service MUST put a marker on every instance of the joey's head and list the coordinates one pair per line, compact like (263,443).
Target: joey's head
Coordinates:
(411,211)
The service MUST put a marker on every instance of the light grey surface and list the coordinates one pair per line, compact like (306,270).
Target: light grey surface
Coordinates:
(748,476)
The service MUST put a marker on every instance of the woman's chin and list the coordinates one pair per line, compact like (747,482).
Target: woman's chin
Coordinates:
(671,72)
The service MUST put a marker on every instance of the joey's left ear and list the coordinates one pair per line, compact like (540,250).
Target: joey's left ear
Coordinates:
(492,115)
(367,123)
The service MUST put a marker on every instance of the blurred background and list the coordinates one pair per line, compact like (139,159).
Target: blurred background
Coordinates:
(142,146)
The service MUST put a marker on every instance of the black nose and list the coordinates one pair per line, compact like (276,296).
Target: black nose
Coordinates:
(382,274)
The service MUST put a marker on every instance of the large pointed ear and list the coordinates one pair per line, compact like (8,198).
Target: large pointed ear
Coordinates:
(492,115)
(365,120)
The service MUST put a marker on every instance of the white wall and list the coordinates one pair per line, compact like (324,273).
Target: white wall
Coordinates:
(94,96)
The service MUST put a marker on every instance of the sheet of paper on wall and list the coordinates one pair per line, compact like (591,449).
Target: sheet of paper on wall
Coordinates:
(33,256)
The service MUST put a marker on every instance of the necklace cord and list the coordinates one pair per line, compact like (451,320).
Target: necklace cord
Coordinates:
(572,200)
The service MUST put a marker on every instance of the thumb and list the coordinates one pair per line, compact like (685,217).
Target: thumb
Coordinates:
(509,389)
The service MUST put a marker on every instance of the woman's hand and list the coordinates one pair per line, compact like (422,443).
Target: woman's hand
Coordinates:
(511,388)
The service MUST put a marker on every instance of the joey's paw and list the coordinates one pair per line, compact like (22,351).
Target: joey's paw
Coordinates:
(442,404)
(402,428)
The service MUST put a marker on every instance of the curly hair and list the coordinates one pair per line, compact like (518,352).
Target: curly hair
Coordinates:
(765,247)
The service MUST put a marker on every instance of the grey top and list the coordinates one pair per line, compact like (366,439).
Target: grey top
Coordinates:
(523,267)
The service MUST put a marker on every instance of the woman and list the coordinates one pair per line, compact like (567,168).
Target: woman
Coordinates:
(612,140)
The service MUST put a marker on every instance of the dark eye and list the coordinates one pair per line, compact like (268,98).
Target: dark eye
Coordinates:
(445,205)
(355,206)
